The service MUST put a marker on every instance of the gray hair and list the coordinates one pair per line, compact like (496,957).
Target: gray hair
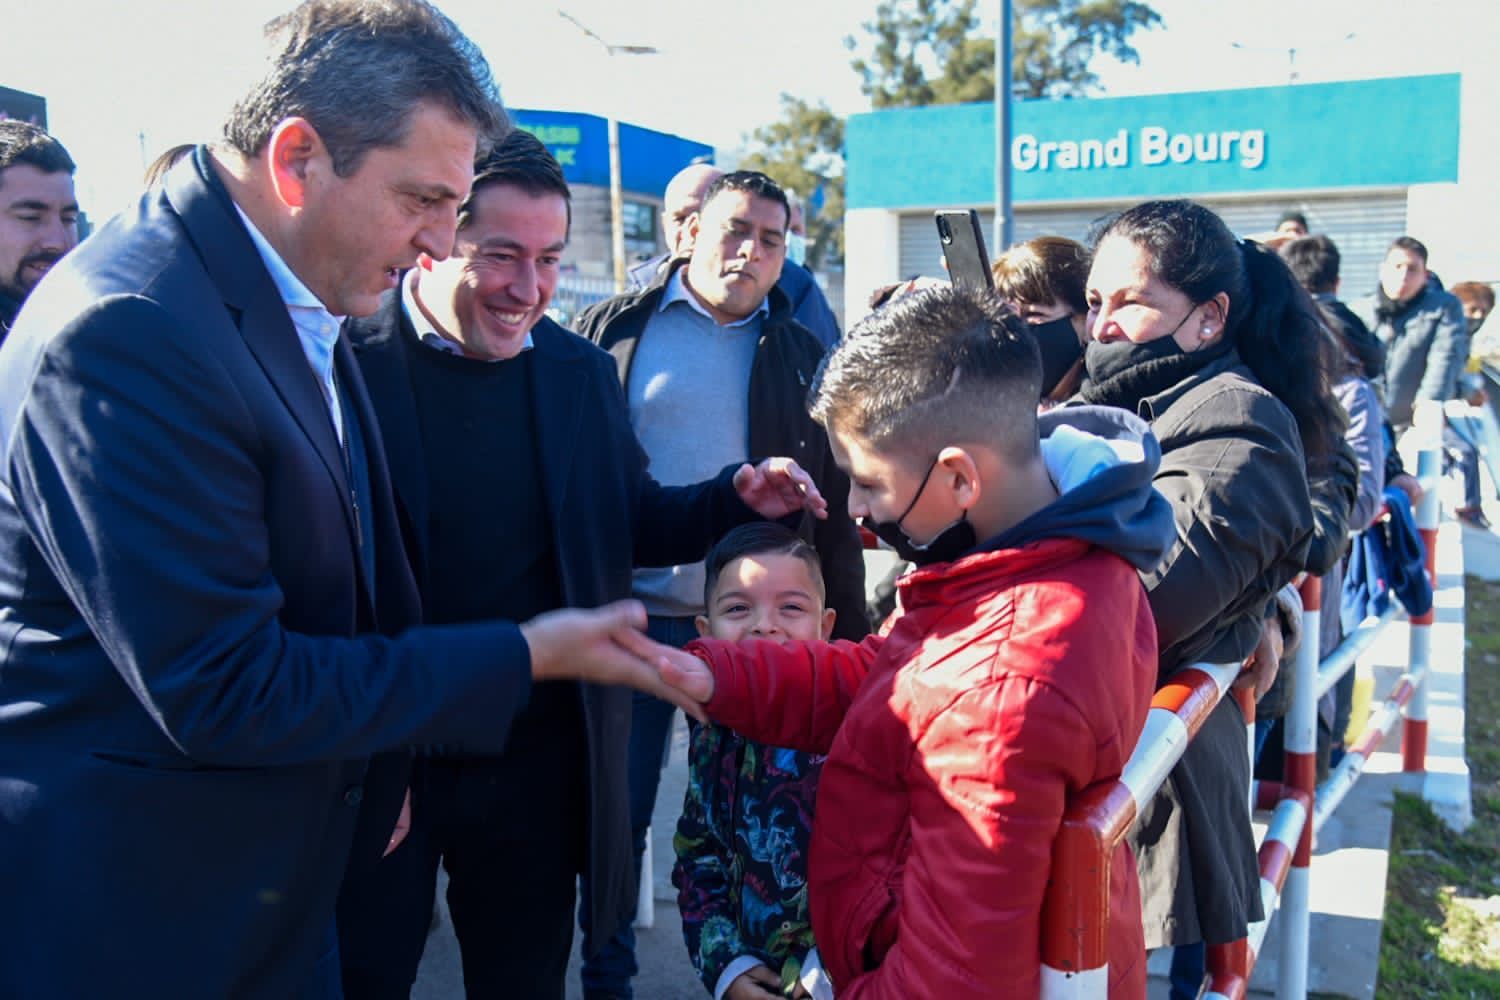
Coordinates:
(357,69)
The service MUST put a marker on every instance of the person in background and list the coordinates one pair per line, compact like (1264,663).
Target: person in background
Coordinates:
(1043,280)
(680,202)
(714,367)
(38,212)
(1292,223)
(743,837)
(1314,261)
(1484,343)
(684,197)
(1422,327)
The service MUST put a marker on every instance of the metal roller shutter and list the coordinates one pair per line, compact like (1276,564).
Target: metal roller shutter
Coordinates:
(1362,225)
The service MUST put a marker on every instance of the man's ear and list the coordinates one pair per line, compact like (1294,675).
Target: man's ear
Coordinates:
(291,154)
(688,235)
(961,474)
(825,628)
(701,622)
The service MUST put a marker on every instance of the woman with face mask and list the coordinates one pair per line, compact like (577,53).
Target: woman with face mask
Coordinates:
(1043,280)
(1214,342)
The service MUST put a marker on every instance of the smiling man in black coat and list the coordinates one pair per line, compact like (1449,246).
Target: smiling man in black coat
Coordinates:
(522,488)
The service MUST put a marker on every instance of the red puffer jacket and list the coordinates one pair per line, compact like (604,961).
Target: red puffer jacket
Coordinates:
(1013,679)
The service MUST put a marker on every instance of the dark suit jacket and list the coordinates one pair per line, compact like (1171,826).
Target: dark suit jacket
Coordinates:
(194,670)
(608,516)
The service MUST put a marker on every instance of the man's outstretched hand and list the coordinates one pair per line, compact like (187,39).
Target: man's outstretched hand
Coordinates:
(777,487)
(687,674)
(605,646)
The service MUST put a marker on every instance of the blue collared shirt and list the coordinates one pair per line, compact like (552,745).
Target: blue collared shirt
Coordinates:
(317,328)
(678,291)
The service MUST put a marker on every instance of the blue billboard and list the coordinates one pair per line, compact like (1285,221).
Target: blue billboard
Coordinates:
(648,159)
(1315,136)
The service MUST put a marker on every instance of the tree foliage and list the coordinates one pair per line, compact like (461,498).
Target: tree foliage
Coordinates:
(804,151)
(921,52)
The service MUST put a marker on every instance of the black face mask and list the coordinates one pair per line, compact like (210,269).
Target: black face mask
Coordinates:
(1475,322)
(1058,344)
(1104,360)
(950,543)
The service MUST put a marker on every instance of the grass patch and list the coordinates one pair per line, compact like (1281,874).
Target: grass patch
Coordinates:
(1441,936)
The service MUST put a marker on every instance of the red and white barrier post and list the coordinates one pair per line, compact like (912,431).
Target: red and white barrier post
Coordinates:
(1300,772)
(1414,733)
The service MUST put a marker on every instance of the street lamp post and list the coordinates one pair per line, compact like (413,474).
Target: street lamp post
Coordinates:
(1001,238)
(616,190)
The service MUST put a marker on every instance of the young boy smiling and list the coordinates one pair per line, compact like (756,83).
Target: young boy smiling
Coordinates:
(746,821)
(1018,672)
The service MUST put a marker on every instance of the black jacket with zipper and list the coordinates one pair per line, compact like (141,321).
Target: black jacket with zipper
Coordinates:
(786,359)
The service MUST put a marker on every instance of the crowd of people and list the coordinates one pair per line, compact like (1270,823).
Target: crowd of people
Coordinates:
(330,558)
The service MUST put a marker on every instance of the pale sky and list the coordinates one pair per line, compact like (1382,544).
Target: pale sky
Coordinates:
(170,68)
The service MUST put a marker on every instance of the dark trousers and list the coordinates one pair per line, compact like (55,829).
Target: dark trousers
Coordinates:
(1463,454)
(509,831)
(610,966)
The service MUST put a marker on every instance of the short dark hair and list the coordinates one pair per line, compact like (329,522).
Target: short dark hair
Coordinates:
(1410,244)
(933,368)
(521,160)
(758,538)
(1314,261)
(752,182)
(1292,215)
(24,143)
(357,69)
(1045,270)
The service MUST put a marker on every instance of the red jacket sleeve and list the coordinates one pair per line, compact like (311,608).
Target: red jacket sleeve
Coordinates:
(988,784)
(788,695)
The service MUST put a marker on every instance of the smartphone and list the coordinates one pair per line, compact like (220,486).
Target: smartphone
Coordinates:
(963,247)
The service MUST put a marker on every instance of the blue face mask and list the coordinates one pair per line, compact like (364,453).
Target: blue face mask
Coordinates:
(796,248)
(950,543)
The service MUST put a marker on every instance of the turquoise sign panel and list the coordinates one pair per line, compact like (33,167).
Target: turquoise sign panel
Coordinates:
(1367,133)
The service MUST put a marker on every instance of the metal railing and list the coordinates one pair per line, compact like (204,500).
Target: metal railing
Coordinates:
(1075,915)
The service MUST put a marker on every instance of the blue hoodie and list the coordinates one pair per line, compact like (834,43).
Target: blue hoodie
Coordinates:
(1102,460)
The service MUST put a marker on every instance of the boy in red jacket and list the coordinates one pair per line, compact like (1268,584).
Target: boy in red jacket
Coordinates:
(1018,671)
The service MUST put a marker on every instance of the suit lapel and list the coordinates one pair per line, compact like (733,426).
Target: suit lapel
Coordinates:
(382,360)
(236,269)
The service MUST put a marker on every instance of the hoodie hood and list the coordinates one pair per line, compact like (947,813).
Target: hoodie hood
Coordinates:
(1102,460)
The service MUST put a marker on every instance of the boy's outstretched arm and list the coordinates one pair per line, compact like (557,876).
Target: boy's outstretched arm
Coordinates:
(988,786)
(790,694)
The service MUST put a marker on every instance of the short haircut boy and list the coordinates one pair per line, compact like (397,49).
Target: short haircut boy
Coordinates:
(934,368)
(758,538)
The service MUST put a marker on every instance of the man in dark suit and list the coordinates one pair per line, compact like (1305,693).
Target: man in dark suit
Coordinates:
(38,212)
(207,612)
(523,489)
